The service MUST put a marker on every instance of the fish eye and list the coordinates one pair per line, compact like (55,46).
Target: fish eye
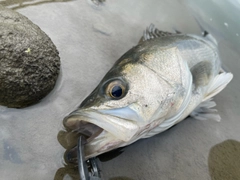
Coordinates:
(115,89)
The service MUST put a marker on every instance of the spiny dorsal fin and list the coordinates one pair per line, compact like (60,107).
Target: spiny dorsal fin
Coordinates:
(152,32)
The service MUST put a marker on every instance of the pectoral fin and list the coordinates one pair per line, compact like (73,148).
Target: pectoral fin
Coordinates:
(204,111)
(201,73)
(218,84)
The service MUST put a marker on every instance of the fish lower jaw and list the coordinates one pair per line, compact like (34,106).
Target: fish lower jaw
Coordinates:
(104,142)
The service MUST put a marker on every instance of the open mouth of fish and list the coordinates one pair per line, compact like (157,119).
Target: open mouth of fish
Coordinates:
(103,132)
(84,128)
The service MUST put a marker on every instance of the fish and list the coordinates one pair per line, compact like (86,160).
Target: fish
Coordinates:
(159,82)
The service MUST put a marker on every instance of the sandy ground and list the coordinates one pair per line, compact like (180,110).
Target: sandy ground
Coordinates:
(90,38)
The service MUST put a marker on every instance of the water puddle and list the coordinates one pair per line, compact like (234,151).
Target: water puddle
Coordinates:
(224,160)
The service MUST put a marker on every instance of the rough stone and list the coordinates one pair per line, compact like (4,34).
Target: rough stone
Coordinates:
(29,61)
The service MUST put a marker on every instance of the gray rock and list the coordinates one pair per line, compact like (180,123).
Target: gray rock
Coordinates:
(29,61)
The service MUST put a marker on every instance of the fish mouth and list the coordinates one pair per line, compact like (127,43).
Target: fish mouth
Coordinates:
(83,128)
(103,132)
(118,127)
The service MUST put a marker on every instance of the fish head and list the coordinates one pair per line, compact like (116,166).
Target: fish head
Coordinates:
(129,102)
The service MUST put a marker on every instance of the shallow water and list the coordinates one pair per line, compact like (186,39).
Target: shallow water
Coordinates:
(90,38)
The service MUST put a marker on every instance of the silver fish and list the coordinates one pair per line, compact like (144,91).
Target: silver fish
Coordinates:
(153,86)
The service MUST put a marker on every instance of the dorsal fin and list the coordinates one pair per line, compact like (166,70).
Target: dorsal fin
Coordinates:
(152,32)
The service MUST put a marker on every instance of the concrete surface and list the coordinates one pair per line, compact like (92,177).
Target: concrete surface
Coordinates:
(90,38)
